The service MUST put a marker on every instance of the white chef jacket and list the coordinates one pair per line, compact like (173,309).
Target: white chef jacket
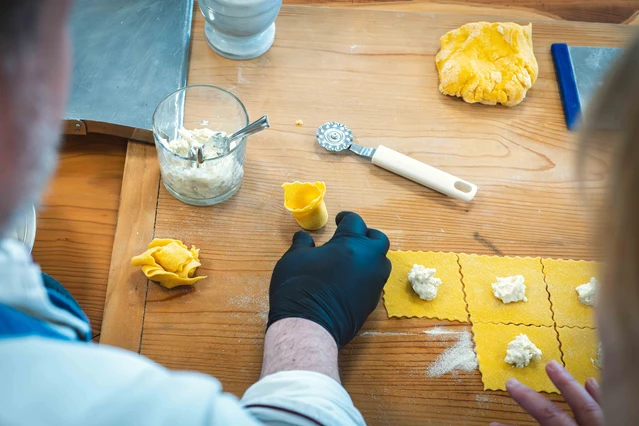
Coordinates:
(48,381)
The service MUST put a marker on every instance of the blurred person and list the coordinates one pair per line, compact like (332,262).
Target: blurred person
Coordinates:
(609,143)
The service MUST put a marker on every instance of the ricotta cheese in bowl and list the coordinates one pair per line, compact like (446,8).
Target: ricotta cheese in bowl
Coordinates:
(217,177)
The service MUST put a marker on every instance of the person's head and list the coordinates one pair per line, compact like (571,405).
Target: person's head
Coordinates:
(34,71)
(611,135)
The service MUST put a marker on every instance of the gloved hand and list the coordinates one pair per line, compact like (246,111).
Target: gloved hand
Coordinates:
(336,285)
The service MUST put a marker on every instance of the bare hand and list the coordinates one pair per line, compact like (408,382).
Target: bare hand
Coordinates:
(584,402)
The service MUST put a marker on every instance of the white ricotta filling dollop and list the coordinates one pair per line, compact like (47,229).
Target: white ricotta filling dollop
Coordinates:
(521,351)
(510,289)
(423,281)
(587,292)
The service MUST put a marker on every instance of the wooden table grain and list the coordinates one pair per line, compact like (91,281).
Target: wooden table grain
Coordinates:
(527,202)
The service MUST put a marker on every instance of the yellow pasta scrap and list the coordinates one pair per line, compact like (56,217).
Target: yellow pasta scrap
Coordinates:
(491,342)
(305,200)
(400,299)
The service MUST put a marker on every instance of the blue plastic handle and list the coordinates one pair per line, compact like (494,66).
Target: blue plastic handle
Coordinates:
(567,84)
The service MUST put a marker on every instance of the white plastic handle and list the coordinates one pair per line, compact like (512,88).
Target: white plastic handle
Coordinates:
(424,174)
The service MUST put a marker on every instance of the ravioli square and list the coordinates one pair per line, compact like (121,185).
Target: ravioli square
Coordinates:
(579,346)
(562,278)
(401,300)
(491,342)
(480,272)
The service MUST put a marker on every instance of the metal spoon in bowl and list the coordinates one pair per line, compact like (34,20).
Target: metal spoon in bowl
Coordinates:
(223,142)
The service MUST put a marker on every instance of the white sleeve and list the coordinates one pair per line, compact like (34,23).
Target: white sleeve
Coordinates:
(57,383)
(301,398)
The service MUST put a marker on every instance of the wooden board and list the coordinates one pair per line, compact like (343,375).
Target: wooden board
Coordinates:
(127,287)
(375,72)
(77,217)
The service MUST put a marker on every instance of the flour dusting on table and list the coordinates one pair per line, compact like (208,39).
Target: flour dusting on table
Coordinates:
(386,333)
(251,304)
(459,357)
(440,331)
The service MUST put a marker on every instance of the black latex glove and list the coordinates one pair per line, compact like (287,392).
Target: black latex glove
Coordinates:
(336,285)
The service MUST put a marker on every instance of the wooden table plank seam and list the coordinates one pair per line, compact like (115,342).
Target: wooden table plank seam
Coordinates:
(148,282)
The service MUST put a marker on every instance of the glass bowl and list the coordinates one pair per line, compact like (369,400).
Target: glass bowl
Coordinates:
(211,179)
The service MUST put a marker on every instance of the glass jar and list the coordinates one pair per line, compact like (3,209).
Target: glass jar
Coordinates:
(240,29)
(200,181)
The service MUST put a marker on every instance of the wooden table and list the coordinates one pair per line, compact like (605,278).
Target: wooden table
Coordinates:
(217,326)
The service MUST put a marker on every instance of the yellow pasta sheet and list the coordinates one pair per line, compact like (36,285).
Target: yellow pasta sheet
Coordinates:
(401,300)
(563,277)
(579,346)
(480,272)
(491,342)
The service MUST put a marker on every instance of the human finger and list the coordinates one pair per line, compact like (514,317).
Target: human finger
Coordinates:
(592,387)
(350,223)
(586,410)
(379,236)
(544,411)
(301,239)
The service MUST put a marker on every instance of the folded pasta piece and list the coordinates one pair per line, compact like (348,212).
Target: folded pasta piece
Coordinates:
(169,262)
(306,202)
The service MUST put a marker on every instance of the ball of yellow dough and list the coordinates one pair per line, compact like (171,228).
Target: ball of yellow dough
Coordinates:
(488,63)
